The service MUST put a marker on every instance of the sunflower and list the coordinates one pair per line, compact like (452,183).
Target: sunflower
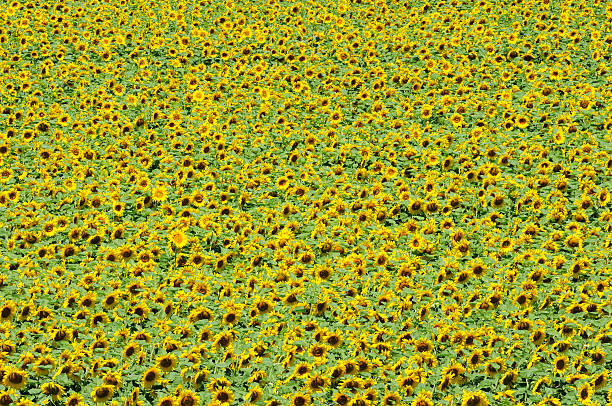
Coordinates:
(102,394)
(423,399)
(522,121)
(549,401)
(509,378)
(497,201)
(561,363)
(381,259)
(159,194)
(470,398)
(150,377)
(44,365)
(49,229)
(598,356)
(318,350)
(317,383)
(600,380)
(342,399)
(475,358)
(15,378)
(55,390)
(198,96)
(454,372)
(585,393)
(126,253)
(559,137)
(76,399)
(423,345)
(301,369)
(231,317)
(538,336)
(131,349)
(110,301)
(178,238)
(415,206)
(463,276)
(69,250)
(603,197)
(323,273)
(390,399)
(119,208)
(7,311)
(462,248)
(167,401)
(223,396)
(408,383)
(335,116)
(200,378)
(537,387)
(263,306)
(167,362)
(456,120)
(334,340)
(188,398)
(5,397)
(300,399)
(220,263)
(98,318)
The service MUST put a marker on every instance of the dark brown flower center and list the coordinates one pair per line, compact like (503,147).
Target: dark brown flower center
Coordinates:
(102,392)
(6,312)
(15,378)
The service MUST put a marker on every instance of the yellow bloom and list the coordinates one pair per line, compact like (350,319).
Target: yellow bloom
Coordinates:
(6,397)
(178,238)
(561,364)
(423,399)
(7,311)
(522,121)
(167,401)
(478,398)
(198,96)
(150,377)
(15,378)
(559,137)
(159,194)
(224,396)
(102,393)
(51,388)
(167,362)
(456,120)
(188,398)
(75,399)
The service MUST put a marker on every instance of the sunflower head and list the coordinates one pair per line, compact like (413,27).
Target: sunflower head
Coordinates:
(75,399)
(52,389)
(300,399)
(178,238)
(15,378)
(150,377)
(224,396)
(167,362)
(188,398)
(101,394)
(7,311)
(167,401)
(477,398)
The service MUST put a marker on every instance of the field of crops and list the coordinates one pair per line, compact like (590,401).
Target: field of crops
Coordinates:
(305,203)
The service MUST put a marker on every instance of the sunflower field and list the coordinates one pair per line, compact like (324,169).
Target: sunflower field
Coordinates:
(293,203)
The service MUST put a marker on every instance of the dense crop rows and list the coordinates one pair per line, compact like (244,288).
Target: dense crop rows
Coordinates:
(292,203)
